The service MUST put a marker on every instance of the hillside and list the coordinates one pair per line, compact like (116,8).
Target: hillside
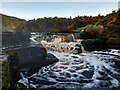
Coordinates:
(11,23)
(56,24)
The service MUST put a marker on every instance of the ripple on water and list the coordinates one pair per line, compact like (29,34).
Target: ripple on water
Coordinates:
(86,70)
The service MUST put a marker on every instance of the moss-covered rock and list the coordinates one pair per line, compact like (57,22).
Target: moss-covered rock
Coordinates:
(10,70)
(93,44)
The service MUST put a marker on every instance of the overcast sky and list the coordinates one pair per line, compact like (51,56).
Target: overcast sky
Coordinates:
(31,10)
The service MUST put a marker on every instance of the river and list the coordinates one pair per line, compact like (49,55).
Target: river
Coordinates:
(87,70)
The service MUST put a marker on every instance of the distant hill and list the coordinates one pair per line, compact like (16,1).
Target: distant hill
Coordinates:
(109,22)
(10,23)
(106,28)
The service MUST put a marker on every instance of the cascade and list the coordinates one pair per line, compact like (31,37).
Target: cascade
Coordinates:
(82,48)
(73,37)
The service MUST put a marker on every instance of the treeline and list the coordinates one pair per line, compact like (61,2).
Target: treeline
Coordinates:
(106,28)
(56,24)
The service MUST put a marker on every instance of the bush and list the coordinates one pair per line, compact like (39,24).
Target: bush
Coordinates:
(113,43)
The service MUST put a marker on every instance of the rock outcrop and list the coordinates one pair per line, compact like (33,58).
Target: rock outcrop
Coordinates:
(21,55)
(92,44)
(10,73)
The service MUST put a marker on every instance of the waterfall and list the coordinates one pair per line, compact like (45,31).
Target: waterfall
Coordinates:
(82,48)
(73,37)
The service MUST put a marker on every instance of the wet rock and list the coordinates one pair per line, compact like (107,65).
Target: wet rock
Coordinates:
(105,84)
(85,80)
(105,69)
(50,59)
(9,63)
(78,67)
(77,50)
(65,63)
(101,72)
(67,74)
(75,75)
(117,63)
(72,70)
(41,81)
(92,44)
(77,45)
(53,76)
(104,77)
(74,56)
(61,79)
(30,58)
(115,75)
(88,74)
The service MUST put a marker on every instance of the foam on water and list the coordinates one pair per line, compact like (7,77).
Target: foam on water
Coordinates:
(86,70)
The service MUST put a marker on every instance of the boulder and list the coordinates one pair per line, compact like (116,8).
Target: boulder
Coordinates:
(117,63)
(31,56)
(88,74)
(92,44)
(50,59)
(21,55)
(10,74)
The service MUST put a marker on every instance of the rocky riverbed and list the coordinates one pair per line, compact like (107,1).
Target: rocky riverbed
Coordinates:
(76,69)
(96,70)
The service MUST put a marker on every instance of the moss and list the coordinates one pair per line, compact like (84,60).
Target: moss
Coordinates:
(10,71)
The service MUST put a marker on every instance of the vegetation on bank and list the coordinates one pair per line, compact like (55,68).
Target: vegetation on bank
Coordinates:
(106,28)
(11,23)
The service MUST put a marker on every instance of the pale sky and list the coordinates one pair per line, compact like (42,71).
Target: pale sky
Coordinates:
(31,10)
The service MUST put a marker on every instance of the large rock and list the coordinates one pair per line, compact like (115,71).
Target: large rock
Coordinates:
(88,74)
(9,63)
(21,55)
(50,59)
(31,55)
(117,64)
(92,44)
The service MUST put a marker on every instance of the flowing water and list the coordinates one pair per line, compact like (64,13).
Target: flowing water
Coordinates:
(87,70)
(73,37)
(77,71)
